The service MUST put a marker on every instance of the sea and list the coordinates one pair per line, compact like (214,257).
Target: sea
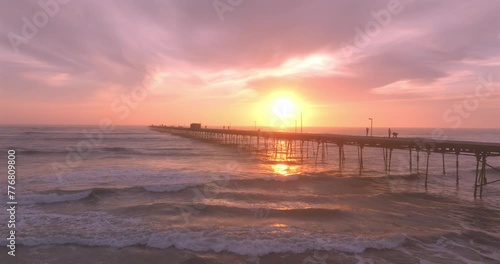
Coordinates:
(128,194)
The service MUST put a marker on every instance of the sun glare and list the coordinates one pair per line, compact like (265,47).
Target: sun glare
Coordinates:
(281,110)
(284,108)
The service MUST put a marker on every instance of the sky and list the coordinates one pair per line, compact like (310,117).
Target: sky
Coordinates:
(403,63)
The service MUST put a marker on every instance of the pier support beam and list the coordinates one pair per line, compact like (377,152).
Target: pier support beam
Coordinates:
(317,153)
(385,159)
(341,154)
(302,151)
(480,174)
(276,148)
(265,144)
(418,160)
(307,149)
(444,170)
(411,169)
(427,168)
(478,158)
(482,180)
(390,160)
(457,153)
(323,151)
(360,158)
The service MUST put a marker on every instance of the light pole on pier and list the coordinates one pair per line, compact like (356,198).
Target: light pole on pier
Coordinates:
(371,126)
(300,122)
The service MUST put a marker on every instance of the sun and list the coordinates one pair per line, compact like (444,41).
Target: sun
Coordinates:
(284,108)
(280,110)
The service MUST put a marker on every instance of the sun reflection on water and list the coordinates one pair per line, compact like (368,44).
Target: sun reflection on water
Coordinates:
(284,169)
(282,228)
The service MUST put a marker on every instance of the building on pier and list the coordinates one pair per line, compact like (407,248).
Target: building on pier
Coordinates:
(195,126)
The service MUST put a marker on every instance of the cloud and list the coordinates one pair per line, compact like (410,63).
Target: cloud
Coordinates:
(93,49)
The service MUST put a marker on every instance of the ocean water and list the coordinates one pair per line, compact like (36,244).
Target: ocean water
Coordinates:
(133,195)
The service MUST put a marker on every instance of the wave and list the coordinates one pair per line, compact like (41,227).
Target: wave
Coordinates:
(116,149)
(111,231)
(171,152)
(318,181)
(234,187)
(260,188)
(48,132)
(218,241)
(168,188)
(236,209)
(57,196)
(289,213)
(38,198)
(259,241)
(102,229)
(420,197)
(466,246)
(35,152)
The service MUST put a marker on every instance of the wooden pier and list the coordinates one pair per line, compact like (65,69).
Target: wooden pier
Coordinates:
(297,146)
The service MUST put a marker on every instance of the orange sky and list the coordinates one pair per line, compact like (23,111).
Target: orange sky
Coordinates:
(403,63)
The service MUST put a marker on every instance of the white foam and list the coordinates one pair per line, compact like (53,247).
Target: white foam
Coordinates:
(264,240)
(92,228)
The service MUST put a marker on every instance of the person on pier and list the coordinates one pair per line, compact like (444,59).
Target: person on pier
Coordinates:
(389,132)
(367,130)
